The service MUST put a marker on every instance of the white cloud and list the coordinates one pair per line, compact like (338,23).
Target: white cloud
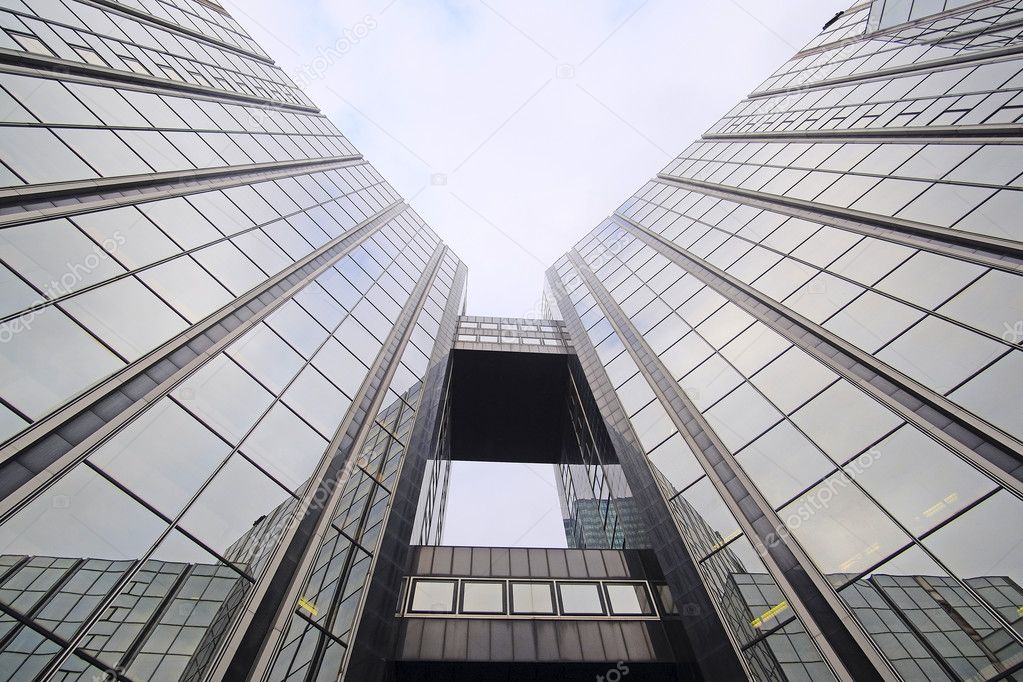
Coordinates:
(469,89)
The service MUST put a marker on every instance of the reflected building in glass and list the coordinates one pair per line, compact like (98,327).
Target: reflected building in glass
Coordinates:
(780,385)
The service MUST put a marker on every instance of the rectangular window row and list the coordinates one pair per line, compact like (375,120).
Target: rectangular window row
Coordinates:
(78,32)
(530,598)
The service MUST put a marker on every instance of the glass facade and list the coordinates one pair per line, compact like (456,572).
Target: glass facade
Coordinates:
(792,373)
(810,319)
(216,320)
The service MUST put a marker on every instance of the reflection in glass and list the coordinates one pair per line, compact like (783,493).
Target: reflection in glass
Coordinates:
(580,598)
(841,528)
(535,598)
(433,596)
(928,624)
(163,456)
(918,502)
(629,599)
(81,515)
(482,597)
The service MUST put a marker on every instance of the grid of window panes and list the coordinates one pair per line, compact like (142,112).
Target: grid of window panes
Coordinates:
(965,187)
(885,13)
(965,33)
(73,286)
(62,128)
(801,434)
(105,37)
(257,417)
(161,179)
(428,528)
(915,93)
(332,591)
(597,503)
(529,598)
(205,16)
(840,468)
(511,331)
(707,526)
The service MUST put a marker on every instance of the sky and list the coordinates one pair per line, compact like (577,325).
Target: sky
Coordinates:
(497,504)
(514,127)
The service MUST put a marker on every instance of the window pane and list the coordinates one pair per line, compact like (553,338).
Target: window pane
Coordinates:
(187,287)
(47,359)
(316,399)
(433,596)
(842,530)
(675,462)
(37,155)
(81,515)
(706,521)
(56,257)
(266,356)
(482,597)
(223,396)
(843,421)
(891,473)
(940,354)
(532,598)
(580,598)
(996,394)
(127,316)
(629,599)
(285,447)
(220,516)
(783,463)
(164,456)
(741,416)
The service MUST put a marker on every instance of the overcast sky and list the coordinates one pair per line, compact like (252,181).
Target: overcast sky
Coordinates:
(539,116)
(515,126)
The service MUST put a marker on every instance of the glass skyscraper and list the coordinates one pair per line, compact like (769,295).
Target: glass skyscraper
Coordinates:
(782,384)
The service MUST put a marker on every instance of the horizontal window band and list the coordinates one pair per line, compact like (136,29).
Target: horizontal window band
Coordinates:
(972,134)
(879,74)
(996,452)
(52,437)
(990,251)
(17,202)
(128,10)
(38,62)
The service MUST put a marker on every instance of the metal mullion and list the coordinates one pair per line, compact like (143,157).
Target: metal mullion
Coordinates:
(33,435)
(635,344)
(149,266)
(251,651)
(190,179)
(916,236)
(591,364)
(753,302)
